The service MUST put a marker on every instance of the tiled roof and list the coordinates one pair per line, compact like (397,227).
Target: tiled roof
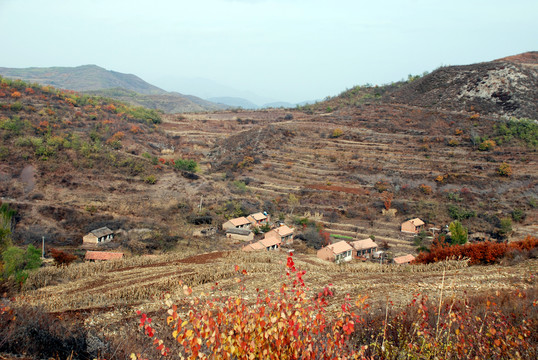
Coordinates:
(253,247)
(239,221)
(340,247)
(284,230)
(363,244)
(270,241)
(104,231)
(417,222)
(259,216)
(102,255)
(404,259)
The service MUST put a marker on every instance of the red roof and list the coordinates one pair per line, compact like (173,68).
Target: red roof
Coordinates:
(404,259)
(239,221)
(102,255)
(340,247)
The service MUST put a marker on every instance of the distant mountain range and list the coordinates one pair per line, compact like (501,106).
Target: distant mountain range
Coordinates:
(246,104)
(129,88)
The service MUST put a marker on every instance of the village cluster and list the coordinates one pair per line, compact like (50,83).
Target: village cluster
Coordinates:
(277,236)
(342,251)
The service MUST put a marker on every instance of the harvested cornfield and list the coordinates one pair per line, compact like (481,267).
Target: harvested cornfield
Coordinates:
(141,281)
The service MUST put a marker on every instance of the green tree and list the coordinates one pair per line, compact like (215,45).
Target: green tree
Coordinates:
(18,262)
(6,224)
(458,232)
(420,241)
(505,227)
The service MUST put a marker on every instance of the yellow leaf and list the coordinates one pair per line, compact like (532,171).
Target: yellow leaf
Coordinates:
(189,333)
(133,356)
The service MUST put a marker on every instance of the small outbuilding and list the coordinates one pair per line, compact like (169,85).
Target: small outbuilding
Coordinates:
(337,252)
(405,259)
(102,256)
(240,234)
(98,236)
(413,226)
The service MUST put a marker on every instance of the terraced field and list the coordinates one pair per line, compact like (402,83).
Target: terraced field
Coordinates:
(404,147)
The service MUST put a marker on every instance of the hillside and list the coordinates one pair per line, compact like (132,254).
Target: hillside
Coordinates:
(82,78)
(71,163)
(507,87)
(129,88)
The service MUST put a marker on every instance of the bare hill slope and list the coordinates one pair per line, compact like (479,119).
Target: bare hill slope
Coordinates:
(507,86)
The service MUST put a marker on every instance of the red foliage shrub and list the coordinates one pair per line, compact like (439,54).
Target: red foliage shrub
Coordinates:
(61,257)
(479,253)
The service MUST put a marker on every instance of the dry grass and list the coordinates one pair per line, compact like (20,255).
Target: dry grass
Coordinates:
(142,280)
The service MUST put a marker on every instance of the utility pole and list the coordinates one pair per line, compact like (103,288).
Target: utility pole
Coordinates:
(200,208)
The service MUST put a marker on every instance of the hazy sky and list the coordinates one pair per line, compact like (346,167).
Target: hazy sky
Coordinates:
(290,50)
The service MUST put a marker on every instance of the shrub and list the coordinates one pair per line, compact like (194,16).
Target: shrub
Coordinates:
(523,129)
(17,262)
(486,145)
(337,133)
(186,165)
(504,170)
(486,252)
(150,179)
(518,215)
(505,227)
(62,258)
(458,213)
(425,189)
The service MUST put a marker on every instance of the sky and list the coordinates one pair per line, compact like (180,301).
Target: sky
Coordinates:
(285,50)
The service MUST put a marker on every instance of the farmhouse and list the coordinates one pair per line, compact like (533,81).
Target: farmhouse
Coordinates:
(406,259)
(239,234)
(283,232)
(238,223)
(102,256)
(258,219)
(271,243)
(98,236)
(413,226)
(337,252)
(365,248)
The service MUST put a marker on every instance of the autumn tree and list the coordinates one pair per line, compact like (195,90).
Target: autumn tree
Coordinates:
(458,233)
(387,197)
